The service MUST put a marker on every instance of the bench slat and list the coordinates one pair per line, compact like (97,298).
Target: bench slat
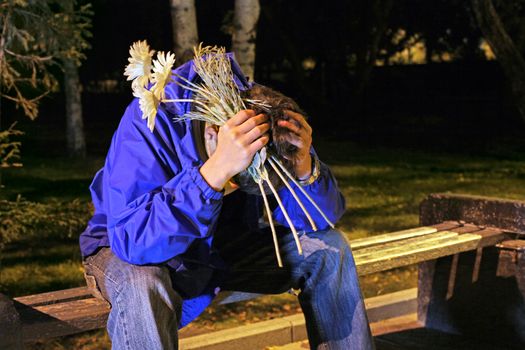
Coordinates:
(492,236)
(389,237)
(448,225)
(459,244)
(55,297)
(62,319)
(427,245)
(432,238)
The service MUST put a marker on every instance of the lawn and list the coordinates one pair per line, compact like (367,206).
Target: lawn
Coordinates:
(382,187)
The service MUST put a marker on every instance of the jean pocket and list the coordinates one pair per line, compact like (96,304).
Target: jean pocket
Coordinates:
(93,287)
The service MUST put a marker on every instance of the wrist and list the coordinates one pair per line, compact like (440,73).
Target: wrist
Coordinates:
(314,174)
(303,169)
(214,174)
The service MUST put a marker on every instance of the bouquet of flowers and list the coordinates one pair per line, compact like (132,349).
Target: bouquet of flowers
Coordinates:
(215,99)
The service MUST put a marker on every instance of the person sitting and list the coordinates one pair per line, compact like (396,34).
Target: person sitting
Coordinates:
(175,223)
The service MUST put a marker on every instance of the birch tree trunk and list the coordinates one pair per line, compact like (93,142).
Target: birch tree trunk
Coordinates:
(76,143)
(506,52)
(184,26)
(244,34)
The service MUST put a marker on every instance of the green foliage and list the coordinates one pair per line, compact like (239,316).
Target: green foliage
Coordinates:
(23,220)
(35,36)
(9,149)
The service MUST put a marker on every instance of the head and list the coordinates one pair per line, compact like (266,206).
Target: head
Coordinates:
(278,144)
(278,103)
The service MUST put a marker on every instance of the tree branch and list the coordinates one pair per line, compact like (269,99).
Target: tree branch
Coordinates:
(507,54)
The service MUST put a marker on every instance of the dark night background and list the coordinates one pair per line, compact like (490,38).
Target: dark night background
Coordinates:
(461,105)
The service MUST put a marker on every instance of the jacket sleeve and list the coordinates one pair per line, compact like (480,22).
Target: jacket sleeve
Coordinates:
(324,192)
(156,200)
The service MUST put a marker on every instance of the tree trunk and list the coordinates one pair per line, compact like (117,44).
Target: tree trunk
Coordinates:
(184,24)
(244,34)
(76,144)
(507,54)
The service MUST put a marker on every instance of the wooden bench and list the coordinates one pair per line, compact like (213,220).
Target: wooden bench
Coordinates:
(452,225)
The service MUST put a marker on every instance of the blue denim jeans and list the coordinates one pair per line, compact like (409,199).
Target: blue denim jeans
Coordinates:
(146,308)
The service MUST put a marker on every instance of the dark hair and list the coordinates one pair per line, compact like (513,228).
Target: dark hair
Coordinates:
(278,145)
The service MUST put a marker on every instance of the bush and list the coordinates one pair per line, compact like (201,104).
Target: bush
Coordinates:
(23,220)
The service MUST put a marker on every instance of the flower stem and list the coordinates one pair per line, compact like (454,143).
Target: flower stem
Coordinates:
(302,190)
(270,220)
(276,169)
(286,216)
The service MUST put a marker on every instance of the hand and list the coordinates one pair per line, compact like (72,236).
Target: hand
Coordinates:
(300,136)
(237,142)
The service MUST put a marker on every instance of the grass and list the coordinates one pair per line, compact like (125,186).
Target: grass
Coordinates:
(383,189)
(29,268)
(41,179)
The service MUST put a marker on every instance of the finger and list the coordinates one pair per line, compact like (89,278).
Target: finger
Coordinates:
(258,144)
(251,123)
(296,141)
(300,118)
(255,133)
(290,126)
(241,117)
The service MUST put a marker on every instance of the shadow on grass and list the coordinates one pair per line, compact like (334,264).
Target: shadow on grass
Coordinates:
(42,178)
(27,287)
(40,265)
(45,253)
(39,189)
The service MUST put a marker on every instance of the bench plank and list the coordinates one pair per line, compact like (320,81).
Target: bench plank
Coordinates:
(383,248)
(492,212)
(448,225)
(58,296)
(389,237)
(423,245)
(399,258)
(492,236)
(60,319)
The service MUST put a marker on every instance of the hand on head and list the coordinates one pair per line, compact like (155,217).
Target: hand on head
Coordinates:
(300,135)
(237,142)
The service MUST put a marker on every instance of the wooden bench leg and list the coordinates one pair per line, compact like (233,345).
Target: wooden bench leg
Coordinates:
(469,295)
(10,325)
(424,288)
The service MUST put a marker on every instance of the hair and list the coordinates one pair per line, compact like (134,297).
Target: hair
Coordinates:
(278,144)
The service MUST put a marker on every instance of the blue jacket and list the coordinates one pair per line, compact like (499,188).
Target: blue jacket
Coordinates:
(152,205)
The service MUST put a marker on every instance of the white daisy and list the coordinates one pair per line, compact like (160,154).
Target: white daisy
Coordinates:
(149,105)
(162,73)
(139,67)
